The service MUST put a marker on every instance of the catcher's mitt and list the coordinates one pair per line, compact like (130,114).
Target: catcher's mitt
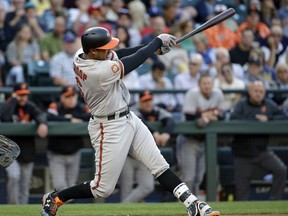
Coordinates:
(9,151)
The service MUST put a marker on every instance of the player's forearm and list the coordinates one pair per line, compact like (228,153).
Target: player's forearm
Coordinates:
(128,51)
(133,61)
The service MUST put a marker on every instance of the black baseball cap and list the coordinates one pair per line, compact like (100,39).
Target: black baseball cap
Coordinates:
(69,36)
(21,89)
(68,91)
(145,96)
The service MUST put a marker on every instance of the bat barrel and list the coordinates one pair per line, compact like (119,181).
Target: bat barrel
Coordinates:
(212,22)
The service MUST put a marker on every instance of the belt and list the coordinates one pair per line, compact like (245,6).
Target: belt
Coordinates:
(114,115)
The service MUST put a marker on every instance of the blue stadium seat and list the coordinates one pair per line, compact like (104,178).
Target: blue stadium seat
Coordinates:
(143,69)
(39,74)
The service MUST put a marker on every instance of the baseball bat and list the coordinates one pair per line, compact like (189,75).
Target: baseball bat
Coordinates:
(208,24)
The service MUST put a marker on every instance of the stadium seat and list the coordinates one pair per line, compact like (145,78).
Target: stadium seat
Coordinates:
(143,69)
(39,74)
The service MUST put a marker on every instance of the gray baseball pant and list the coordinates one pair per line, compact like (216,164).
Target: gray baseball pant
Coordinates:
(244,168)
(64,169)
(134,170)
(19,177)
(190,154)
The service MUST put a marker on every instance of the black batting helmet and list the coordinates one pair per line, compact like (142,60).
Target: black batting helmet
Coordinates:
(99,38)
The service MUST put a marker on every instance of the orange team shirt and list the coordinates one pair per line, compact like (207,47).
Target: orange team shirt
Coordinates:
(221,36)
(262,29)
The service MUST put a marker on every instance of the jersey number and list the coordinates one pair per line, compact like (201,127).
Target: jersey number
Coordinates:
(80,75)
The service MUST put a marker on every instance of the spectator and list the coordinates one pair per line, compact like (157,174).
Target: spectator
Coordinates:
(156,79)
(20,110)
(147,112)
(187,26)
(51,43)
(174,14)
(203,105)
(61,64)
(250,151)
(158,26)
(114,8)
(64,152)
(275,47)
(205,10)
(227,80)
(189,79)
(49,16)
(78,18)
(138,14)
(41,6)
(123,35)
(240,53)
(33,20)
(222,57)
(208,53)
(268,11)
(97,15)
(3,39)
(21,52)
(283,16)
(260,29)
(14,19)
(126,20)
(221,35)
(257,70)
(282,83)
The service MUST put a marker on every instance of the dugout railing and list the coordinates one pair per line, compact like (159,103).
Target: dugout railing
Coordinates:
(211,132)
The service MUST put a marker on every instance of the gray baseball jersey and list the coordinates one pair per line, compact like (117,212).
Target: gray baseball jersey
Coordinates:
(100,85)
(194,101)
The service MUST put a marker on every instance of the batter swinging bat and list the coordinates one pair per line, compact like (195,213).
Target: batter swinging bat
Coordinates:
(208,24)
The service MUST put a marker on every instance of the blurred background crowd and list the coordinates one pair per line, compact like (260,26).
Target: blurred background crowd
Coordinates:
(43,36)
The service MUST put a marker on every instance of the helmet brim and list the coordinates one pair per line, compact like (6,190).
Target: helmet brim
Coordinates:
(111,45)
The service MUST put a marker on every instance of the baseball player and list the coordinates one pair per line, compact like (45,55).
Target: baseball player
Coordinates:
(115,131)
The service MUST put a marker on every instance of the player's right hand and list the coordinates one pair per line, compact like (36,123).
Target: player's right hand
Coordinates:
(167,40)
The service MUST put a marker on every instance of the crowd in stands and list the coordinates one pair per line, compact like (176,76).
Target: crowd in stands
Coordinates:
(252,44)
(247,48)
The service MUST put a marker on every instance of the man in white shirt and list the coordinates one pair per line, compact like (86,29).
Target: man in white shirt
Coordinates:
(61,64)
(156,80)
(189,79)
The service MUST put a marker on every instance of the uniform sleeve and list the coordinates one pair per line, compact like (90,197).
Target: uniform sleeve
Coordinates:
(238,112)
(114,70)
(36,114)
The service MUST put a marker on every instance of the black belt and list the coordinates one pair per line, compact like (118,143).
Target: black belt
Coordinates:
(113,116)
(124,113)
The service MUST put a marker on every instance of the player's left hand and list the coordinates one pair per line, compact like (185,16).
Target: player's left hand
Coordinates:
(168,41)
